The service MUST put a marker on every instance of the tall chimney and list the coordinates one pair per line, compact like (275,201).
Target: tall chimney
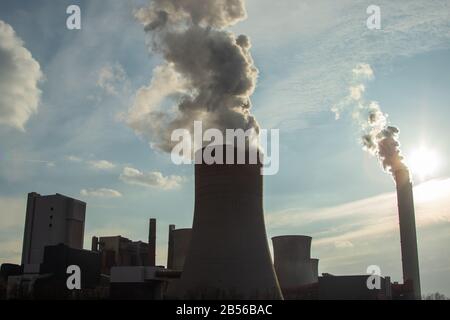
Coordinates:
(408,238)
(152,242)
(170,247)
(229,256)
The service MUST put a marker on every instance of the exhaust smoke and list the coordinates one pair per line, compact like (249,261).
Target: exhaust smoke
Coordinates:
(381,140)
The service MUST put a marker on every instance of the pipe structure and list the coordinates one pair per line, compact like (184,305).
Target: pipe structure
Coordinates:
(408,237)
(228,256)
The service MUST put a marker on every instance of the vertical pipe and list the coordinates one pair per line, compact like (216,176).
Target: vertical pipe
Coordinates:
(408,237)
(152,242)
(170,247)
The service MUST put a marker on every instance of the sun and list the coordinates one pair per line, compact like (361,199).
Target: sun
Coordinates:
(423,162)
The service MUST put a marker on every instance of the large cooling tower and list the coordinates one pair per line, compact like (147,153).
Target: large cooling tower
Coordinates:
(408,238)
(181,239)
(228,256)
(292,260)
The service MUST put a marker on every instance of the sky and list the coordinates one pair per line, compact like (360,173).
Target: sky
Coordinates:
(62,129)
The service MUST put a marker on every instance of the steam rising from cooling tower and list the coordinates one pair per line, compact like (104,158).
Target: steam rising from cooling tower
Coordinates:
(207,74)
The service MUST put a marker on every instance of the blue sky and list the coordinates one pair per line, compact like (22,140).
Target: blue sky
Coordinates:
(327,186)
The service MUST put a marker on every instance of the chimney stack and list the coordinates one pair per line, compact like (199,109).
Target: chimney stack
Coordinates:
(170,247)
(408,237)
(152,242)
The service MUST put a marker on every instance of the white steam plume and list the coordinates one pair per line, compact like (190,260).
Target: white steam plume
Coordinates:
(208,73)
(377,136)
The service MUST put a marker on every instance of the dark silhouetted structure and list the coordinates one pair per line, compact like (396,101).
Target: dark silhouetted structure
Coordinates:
(293,263)
(408,237)
(179,247)
(229,256)
(51,220)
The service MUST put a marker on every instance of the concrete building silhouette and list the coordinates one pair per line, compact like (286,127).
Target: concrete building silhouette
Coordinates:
(121,251)
(51,220)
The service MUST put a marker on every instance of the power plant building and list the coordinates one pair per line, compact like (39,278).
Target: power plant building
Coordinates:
(120,251)
(51,220)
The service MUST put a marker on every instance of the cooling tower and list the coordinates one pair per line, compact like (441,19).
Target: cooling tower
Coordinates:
(229,256)
(292,260)
(408,238)
(315,270)
(181,239)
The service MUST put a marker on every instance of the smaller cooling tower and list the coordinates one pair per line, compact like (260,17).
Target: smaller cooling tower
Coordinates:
(181,238)
(315,269)
(292,260)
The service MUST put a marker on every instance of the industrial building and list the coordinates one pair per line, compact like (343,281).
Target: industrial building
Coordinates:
(51,220)
(120,251)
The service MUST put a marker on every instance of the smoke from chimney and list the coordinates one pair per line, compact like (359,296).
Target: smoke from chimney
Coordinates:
(377,136)
(381,140)
(207,73)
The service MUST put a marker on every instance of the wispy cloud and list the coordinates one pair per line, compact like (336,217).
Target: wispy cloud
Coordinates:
(101,164)
(101,193)
(74,158)
(113,79)
(150,179)
(49,164)
(93,164)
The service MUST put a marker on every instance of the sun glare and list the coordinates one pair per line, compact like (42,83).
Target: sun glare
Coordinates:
(423,163)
